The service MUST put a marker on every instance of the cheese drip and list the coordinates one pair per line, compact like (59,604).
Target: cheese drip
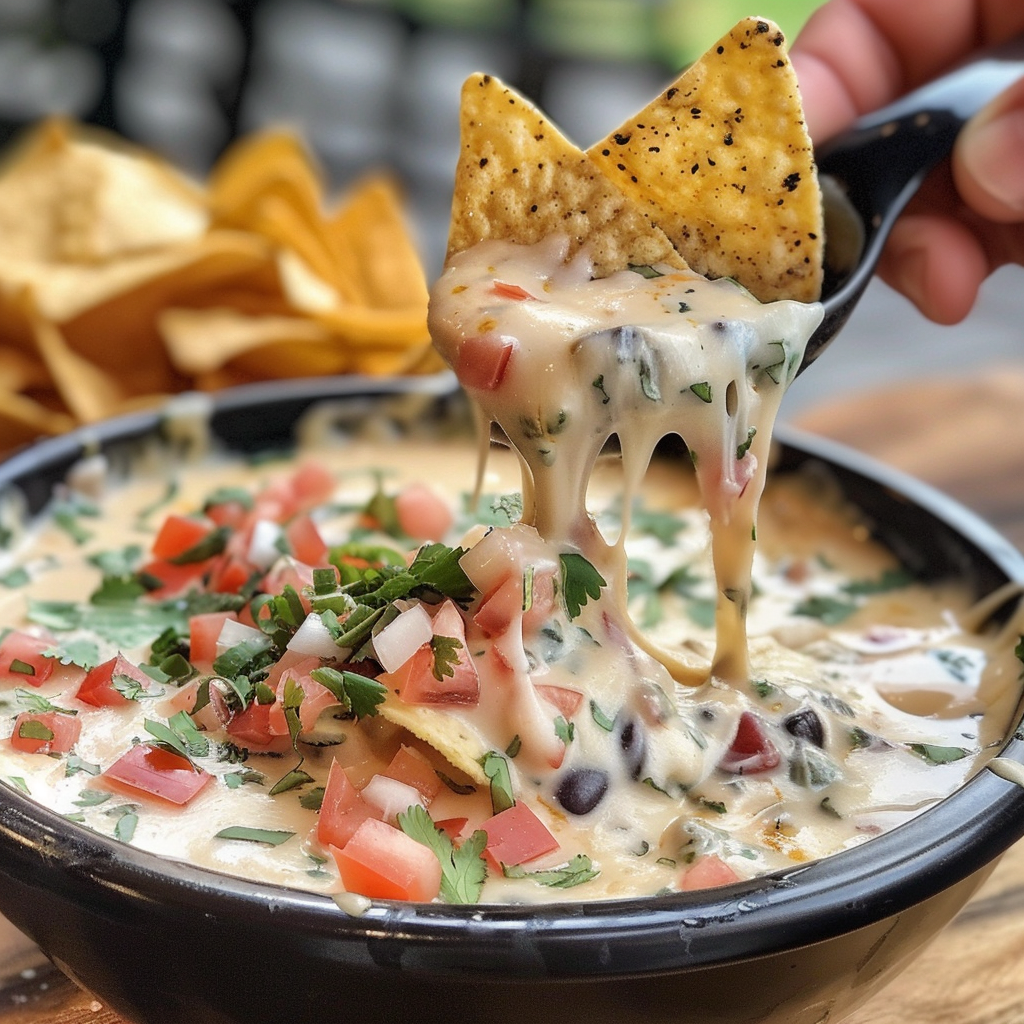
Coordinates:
(562,363)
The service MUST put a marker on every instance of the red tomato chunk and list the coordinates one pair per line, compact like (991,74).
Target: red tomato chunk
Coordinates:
(98,689)
(178,534)
(159,773)
(22,659)
(707,873)
(382,862)
(47,732)
(515,836)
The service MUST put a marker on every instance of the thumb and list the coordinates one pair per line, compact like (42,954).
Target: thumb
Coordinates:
(988,159)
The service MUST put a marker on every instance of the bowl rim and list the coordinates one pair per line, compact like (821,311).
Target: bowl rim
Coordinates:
(809,903)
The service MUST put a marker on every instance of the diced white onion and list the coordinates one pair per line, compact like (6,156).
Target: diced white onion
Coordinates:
(390,796)
(401,638)
(263,548)
(233,632)
(314,638)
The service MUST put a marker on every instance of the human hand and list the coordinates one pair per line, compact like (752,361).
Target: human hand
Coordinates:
(854,56)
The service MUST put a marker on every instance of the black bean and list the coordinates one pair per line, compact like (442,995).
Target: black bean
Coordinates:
(582,789)
(633,744)
(806,725)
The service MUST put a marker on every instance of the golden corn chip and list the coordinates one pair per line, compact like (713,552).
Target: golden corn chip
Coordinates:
(384,329)
(203,340)
(442,731)
(90,393)
(371,236)
(519,179)
(22,419)
(83,196)
(722,162)
(269,164)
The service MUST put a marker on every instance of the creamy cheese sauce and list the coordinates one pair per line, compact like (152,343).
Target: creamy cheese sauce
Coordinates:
(863,722)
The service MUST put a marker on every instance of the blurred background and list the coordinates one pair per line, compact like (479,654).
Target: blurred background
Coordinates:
(376,83)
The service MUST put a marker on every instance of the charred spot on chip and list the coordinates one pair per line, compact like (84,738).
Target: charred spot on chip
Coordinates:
(483,161)
(622,140)
(790,182)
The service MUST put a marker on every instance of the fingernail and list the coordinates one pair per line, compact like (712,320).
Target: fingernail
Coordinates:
(993,152)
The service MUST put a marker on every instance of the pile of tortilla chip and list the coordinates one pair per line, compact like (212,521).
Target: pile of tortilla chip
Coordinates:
(716,173)
(122,281)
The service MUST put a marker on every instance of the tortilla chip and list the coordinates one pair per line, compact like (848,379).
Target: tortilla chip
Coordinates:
(89,393)
(519,179)
(371,236)
(271,163)
(22,419)
(203,340)
(70,194)
(442,731)
(722,162)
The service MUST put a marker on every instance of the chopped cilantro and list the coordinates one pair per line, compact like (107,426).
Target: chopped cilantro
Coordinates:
(577,871)
(16,577)
(580,582)
(270,837)
(702,389)
(829,610)
(496,769)
(291,780)
(446,656)
(935,754)
(565,731)
(180,735)
(600,718)
(356,693)
(891,579)
(463,871)
(76,651)
(743,448)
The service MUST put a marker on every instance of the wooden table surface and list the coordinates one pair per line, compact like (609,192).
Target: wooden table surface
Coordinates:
(964,436)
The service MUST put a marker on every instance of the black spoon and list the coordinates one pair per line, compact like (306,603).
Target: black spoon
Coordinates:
(870,173)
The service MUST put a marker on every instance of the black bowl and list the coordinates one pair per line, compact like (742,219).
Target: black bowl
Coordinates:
(163,942)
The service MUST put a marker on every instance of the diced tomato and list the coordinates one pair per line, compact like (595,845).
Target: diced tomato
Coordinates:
(342,810)
(22,659)
(316,698)
(452,827)
(422,513)
(179,533)
(203,630)
(289,571)
(276,502)
(45,732)
(382,862)
(312,484)
(501,608)
(415,681)
(305,541)
(302,664)
(566,701)
(707,873)
(515,836)
(482,360)
(510,291)
(227,513)
(174,579)
(158,772)
(542,594)
(750,751)
(97,688)
(252,726)
(414,770)
(229,573)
